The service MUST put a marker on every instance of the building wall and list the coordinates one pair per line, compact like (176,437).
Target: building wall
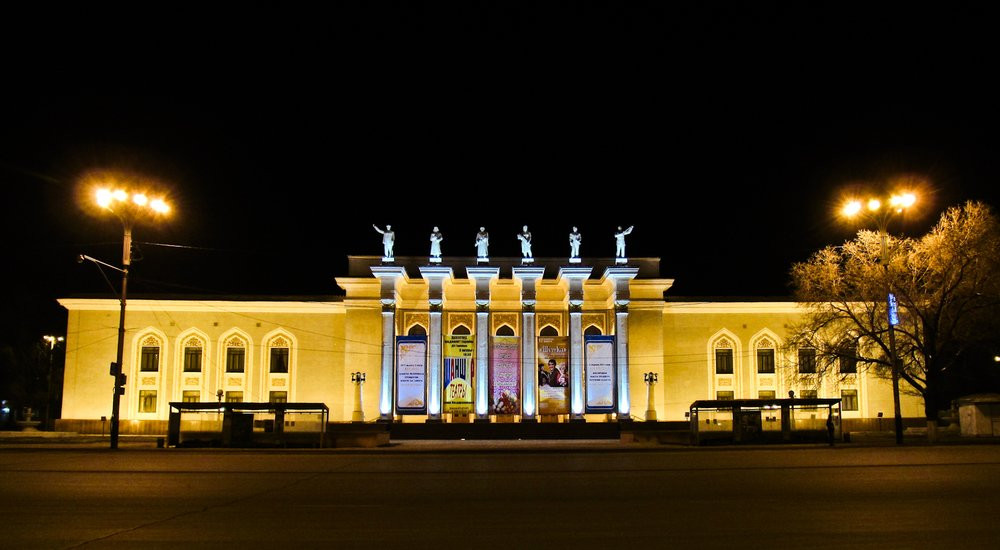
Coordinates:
(313,332)
(331,340)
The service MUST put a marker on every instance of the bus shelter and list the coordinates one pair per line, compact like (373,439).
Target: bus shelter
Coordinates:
(765,420)
(247,424)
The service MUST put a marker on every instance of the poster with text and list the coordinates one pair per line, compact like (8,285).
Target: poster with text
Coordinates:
(599,354)
(411,374)
(553,375)
(505,375)
(458,366)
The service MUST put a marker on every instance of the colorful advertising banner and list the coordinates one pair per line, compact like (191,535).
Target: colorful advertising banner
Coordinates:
(553,375)
(505,375)
(458,367)
(599,354)
(411,374)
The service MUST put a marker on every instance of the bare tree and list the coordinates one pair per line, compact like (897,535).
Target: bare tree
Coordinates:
(947,286)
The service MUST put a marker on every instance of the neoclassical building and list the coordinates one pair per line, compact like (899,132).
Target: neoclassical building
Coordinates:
(456,341)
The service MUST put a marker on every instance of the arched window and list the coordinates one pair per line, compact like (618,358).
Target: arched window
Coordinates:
(417,330)
(193,351)
(236,354)
(505,330)
(847,358)
(723,356)
(461,329)
(278,359)
(548,330)
(765,356)
(149,355)
(593,330)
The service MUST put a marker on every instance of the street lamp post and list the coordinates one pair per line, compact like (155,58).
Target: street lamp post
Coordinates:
(880,215)
(128,207)
(51,341)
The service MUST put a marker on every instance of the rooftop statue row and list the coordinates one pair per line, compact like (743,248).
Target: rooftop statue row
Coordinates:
(482,244)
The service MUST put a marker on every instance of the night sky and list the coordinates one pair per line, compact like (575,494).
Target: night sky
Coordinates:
(726,135)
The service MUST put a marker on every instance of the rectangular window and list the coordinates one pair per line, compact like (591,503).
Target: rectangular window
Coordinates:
(192,396)
(278,397)
(723,361)
(808,394)
(765,394)
(724,395)
(235,359)
(849,400)
(192,359)
(150,359)
(807,361)
(234,397)
(279,360)
(765,361)
(147,401)
(848,362)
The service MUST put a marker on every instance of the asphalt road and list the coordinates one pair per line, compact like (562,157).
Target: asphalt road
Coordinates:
(503,498)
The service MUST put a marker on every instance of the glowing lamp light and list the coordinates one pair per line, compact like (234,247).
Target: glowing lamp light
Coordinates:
(905,200)
(119,195)
(851,208)
(159,206)
(140,199)
(104,198)
(874,204)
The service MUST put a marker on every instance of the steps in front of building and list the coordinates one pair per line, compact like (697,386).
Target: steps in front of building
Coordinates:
(495,430)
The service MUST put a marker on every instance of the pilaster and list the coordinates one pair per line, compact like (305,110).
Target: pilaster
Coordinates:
(576,276)
(482,277)
(529,377)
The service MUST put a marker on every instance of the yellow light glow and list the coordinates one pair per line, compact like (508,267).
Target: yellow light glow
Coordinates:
(905,200)
(103,198)
(159,206)
(874,205)
(851,208)
(140,199)
(119,195)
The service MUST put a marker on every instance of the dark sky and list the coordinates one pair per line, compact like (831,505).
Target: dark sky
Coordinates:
(726,135)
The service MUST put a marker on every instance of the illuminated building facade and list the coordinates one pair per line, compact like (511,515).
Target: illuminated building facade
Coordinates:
(457,341)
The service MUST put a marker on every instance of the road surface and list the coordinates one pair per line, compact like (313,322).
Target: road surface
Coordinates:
(502,498)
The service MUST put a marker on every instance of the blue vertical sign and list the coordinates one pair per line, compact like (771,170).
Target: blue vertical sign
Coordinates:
(893,311)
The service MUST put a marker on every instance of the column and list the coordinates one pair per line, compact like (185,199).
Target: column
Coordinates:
(576,276)
(482,277)
(435,277)
(529,376)
(389,276)
(620,277)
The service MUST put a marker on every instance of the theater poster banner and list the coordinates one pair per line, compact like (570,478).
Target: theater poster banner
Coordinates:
(599,354)
(458,352)
(411,374)
(553,375)
(505,375)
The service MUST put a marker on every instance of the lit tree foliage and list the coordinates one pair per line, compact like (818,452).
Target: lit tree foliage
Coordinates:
(947,284)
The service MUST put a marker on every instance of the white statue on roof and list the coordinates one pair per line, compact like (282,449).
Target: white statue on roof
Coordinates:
(388,240)
(574,243)
(525,237)
(482,244)
(436,239)
(620,241)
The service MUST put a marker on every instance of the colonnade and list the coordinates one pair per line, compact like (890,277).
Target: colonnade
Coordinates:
(390,278)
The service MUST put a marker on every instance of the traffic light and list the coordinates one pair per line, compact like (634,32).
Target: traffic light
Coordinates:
(120,378)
